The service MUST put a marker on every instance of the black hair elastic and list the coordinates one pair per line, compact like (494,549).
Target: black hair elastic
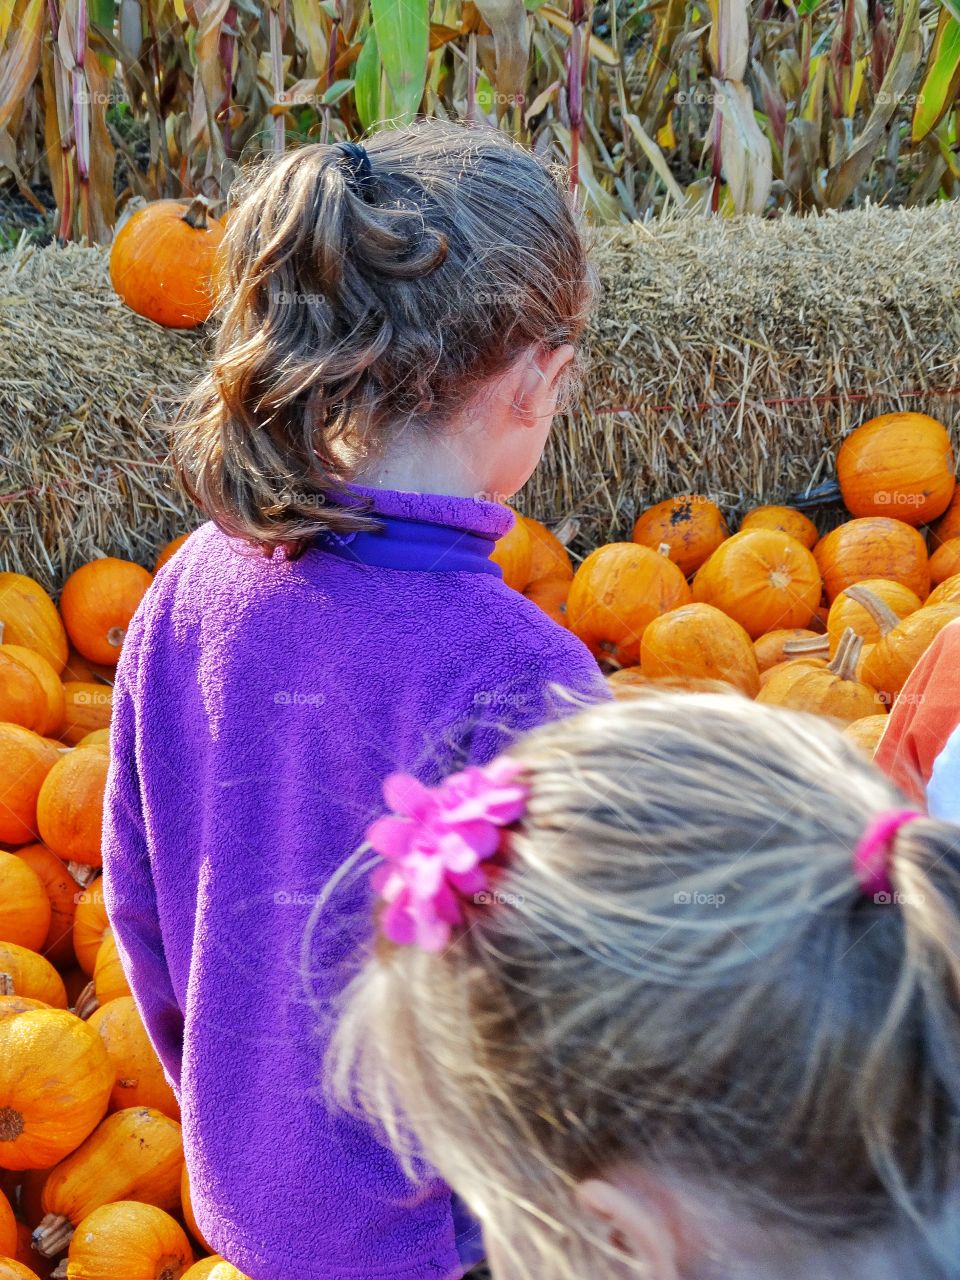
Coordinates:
(355,159)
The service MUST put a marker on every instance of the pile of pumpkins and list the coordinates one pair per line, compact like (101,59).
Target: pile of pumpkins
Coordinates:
(92,1179)
(832,625)
(92,1176)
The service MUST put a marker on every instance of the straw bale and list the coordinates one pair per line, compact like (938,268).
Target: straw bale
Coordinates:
(84,386)
(726,357)
(730,357)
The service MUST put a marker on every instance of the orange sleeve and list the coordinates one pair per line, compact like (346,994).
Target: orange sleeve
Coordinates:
(923,716)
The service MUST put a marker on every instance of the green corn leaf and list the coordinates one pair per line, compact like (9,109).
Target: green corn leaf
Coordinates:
(102,12)
(938,91)
(366,89)
(338,90)
(403,37)
(484,94)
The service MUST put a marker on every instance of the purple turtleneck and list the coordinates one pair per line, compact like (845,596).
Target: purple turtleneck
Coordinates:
(259,704)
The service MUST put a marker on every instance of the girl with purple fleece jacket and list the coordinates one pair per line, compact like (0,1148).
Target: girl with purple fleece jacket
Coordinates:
(398,323)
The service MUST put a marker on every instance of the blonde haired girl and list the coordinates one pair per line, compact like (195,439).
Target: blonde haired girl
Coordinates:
(684,1004)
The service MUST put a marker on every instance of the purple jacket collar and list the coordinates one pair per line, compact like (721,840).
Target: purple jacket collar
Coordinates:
(426,532)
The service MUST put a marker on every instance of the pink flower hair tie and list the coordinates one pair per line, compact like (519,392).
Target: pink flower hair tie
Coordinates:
(871,859)
(434,845)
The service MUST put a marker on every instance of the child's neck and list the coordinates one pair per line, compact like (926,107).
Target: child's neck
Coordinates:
(412,474)
(457,458)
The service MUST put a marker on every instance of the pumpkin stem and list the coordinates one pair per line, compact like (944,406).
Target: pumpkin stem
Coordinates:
(83,874)
(53,1235)
(878,609)
(197,212)
(60,1273)
(566,530)
(844,664)
(664,549)
(87,1002)
(819,646)
(6,984)
(115,636)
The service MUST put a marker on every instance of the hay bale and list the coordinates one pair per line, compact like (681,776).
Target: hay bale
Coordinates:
(727,357)
(730,357)
(84,388)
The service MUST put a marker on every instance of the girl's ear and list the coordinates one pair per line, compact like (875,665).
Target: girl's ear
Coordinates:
(538,382)
(633,1224)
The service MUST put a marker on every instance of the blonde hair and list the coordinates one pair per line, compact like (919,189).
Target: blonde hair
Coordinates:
(356,304)
(681,971)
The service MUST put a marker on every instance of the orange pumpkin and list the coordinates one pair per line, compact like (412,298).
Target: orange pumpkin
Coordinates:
(25,761)
(22,699)
(24,905)
(785,520)
(898,651)
(944,563)
(893,599)
(948,526)
(30,618)
(127,1240)
(55,1081)
(163,260)
(49,714)
(213,1268)
(80,671)
(25,973)
(109,980)
(763,579)
(186,1205)
(70,805)
(691,526)
(867,732)
(874,547)
(8,1227)
(97,602)
(699,643)
(90,925)
(549,559)
(617,591)
(900,464)
(948,592)
(88,707)
(9,1005)
(551,595)
(170,550)
(61,891)
(769,648)
(135,1154)
(139,1078)
(95,738)
(805,651)
(514,554)
(829,690)
(12,1269)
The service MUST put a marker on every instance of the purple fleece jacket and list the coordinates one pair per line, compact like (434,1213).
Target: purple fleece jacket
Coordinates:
(259,704)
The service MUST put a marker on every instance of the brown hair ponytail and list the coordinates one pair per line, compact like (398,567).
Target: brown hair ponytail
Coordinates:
(362,298)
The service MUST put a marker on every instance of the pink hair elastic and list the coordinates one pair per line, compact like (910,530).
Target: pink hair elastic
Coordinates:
(437,845)
(871,858)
